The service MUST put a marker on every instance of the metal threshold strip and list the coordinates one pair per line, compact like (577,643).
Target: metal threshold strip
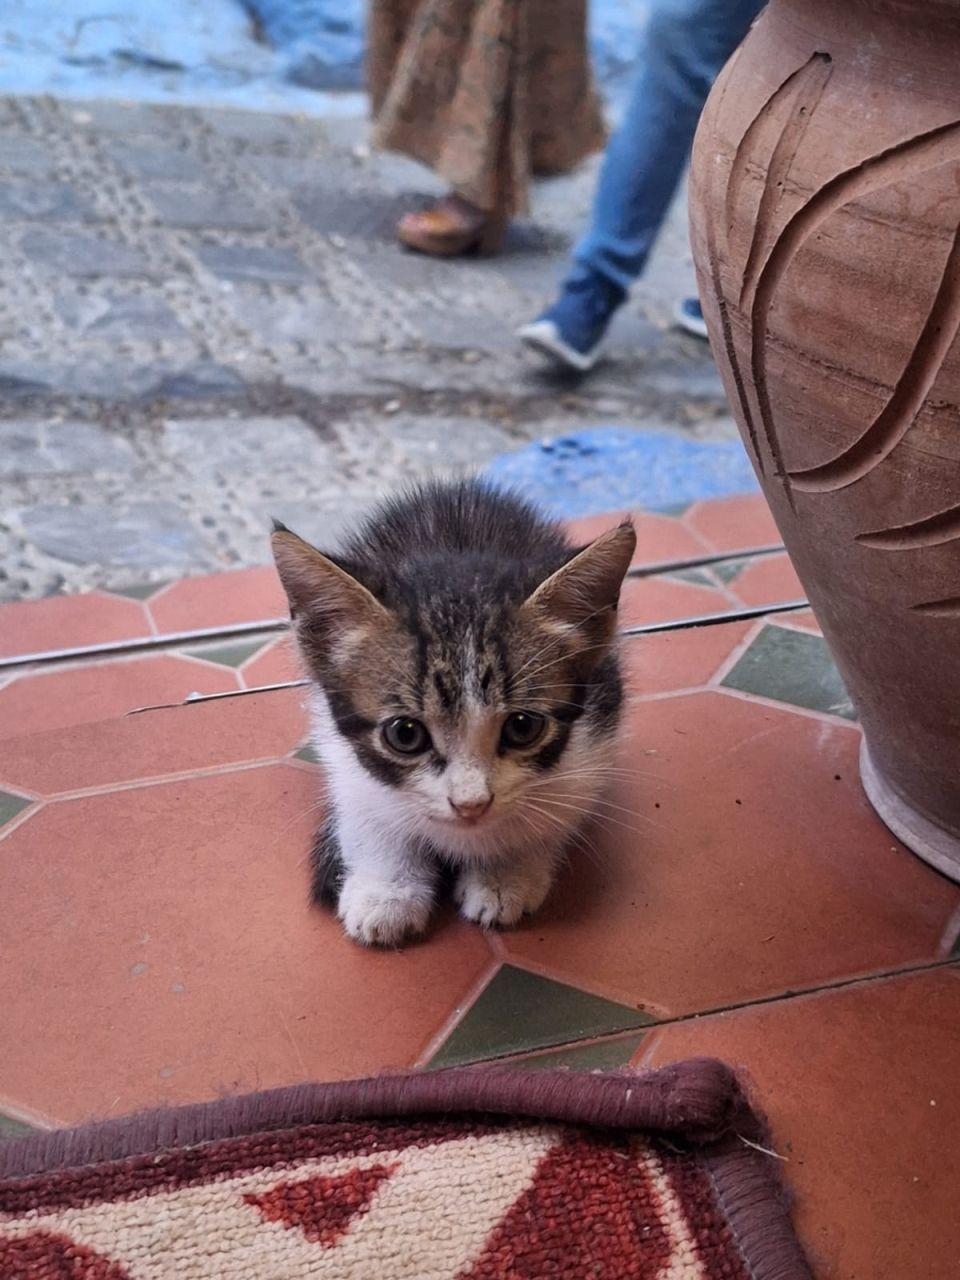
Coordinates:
(704,562)
(143,644)
(650,628)
(716,619)
(266,626)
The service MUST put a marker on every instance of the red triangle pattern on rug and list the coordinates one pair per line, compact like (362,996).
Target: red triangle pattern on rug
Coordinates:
(54,1257)
(590,1207)
(323,1208)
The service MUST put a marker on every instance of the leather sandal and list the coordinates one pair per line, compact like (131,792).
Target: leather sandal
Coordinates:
(451,228)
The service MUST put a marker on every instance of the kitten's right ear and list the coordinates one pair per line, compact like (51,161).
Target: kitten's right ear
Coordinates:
(584,592)
(321,593)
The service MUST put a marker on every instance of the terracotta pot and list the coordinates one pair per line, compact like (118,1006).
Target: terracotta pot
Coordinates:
(825,211)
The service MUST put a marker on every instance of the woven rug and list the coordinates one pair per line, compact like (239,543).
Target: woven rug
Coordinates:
(468,1173)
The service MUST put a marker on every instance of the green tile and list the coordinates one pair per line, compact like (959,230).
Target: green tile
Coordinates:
(10,805)
(794,667)
(602,1055)
(699,577)
(10,1128)
(228,655)
(672,509)
(520,1011)
(306,752)
(139,590)
(729,570)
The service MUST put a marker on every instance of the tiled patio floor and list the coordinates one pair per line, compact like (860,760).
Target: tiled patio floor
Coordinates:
(742,900)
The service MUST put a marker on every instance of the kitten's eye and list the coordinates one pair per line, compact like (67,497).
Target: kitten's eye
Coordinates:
(522,729)
(406,736)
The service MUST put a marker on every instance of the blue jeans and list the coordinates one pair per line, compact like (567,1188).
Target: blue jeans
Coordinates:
(687,43)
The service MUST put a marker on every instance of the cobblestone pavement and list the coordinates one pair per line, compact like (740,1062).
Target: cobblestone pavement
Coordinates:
(205,321)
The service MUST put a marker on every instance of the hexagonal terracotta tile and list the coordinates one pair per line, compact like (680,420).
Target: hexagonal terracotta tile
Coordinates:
(802,620)
(42,700)
(205,735)
(158,947)
(768,580)
(660,539)
(650,600)
(687,659)
(273,665)
(860,1088)
(736,858)
(734,524)
(69,622)
(219,600)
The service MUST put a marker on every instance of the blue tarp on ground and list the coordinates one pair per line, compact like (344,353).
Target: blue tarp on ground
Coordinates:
(620,468)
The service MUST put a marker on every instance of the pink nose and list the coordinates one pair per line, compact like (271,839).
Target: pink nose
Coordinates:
(471,812)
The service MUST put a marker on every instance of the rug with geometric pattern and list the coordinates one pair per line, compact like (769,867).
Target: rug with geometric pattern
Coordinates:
(469,1173)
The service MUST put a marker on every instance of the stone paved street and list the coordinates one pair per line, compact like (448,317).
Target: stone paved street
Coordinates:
(205,322)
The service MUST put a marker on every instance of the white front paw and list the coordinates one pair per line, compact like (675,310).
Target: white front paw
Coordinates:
(382,915)
(501,896)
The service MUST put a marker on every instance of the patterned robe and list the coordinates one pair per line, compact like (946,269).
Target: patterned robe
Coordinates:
(487,93)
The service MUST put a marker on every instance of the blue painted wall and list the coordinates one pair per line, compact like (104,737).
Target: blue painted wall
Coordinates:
(205,51)
(323,39)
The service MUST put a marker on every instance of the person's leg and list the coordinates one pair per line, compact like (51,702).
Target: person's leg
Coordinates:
(686,44)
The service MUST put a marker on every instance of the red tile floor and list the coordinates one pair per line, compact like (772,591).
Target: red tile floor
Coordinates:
(742,900)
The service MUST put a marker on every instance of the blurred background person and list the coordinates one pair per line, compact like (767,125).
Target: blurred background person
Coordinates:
(687,43)
(487,94)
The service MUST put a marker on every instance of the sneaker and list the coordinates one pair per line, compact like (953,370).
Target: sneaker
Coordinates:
(571,332)
(688,316)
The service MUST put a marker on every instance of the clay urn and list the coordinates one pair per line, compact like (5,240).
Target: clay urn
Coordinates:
(825,222)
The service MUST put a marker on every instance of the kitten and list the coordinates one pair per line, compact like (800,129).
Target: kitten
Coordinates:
(466,693)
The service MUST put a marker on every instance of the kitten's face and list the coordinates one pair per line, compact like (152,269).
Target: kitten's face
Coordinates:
(466,734)
(476,718)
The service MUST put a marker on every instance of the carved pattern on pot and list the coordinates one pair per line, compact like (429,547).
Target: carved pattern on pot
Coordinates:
(769,257)
(798,95)
(932,531)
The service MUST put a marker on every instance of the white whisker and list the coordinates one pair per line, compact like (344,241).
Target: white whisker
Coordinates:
(573,834)
(602,818)
(596,800)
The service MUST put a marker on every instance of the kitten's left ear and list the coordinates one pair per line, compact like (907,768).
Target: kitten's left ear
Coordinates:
(585,592)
